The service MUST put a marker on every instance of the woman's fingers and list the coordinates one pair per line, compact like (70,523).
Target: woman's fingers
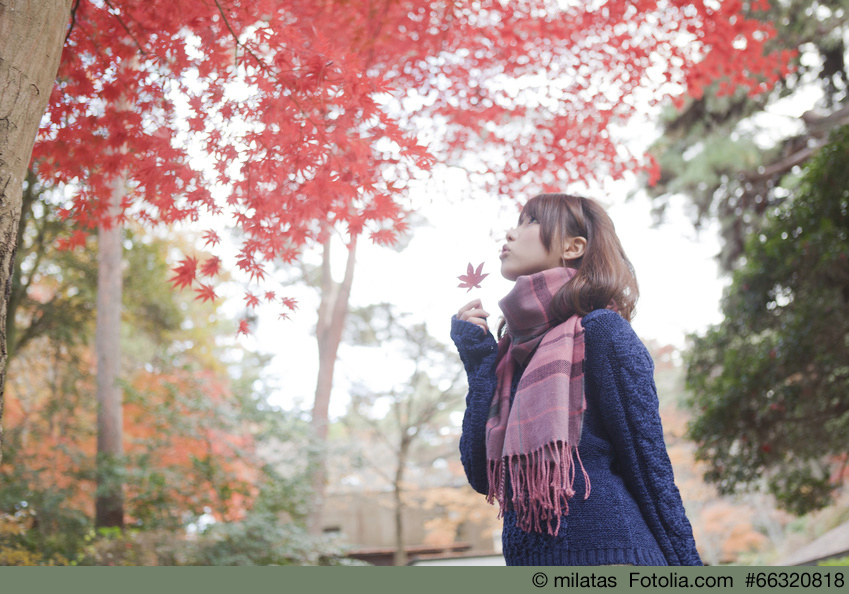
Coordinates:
(472,309)
(471,305)
(475,313)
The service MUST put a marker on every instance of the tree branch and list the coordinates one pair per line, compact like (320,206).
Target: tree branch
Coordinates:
(236,38)
(817,127)
(782,166)
(73,20)
(114,12)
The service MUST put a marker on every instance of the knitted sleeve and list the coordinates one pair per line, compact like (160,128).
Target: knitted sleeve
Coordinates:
(478,351)
(623,372)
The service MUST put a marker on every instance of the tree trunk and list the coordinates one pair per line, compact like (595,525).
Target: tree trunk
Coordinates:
(398,485)
(109,503)
(331,321)
(31,38)
(18,290)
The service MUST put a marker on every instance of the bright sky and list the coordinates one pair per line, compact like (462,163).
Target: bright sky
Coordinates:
(676,270)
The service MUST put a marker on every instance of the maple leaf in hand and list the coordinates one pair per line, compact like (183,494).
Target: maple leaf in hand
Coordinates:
(472,278)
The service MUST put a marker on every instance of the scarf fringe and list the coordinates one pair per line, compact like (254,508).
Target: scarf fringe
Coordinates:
(542,483)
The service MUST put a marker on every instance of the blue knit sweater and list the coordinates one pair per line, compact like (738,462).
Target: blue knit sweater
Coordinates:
(634,514)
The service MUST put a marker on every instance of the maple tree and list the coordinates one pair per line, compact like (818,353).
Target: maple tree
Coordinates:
(311,112)
(332,313)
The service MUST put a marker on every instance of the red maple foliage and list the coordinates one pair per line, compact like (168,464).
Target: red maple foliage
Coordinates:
(316,112)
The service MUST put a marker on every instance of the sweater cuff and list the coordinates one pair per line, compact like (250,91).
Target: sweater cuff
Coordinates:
(471,339)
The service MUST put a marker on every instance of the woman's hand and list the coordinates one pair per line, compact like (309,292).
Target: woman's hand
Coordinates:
(474,312)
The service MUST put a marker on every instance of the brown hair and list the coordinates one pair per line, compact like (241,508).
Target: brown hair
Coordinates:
(605,276)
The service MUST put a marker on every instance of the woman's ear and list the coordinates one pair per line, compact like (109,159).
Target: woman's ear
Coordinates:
(574,248)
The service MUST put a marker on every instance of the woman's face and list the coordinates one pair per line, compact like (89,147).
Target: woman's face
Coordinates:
(524,252)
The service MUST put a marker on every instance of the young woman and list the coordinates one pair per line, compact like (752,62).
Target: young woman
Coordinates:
(561,426)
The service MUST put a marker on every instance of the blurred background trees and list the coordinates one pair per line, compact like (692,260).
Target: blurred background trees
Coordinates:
(403,428)
(735,156)
(768,385)
(195,418)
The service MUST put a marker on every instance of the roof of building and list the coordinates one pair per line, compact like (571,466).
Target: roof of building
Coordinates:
(834,543)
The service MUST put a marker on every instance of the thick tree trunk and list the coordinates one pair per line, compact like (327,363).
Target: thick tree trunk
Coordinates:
(31,38)
(331,321)
(109,504)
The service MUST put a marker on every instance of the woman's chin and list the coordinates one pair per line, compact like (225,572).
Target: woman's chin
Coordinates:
(508,274)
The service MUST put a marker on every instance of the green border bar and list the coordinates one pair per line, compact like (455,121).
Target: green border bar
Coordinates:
(424,580)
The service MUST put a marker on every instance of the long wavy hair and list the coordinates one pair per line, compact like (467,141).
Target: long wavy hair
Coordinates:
(605,277)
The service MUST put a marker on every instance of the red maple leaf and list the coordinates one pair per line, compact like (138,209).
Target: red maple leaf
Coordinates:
(472,278)
(244,328)
(211,238)
(185,272)
(251,300)
(383,237)
(211,266)
(205,293)
(77,239)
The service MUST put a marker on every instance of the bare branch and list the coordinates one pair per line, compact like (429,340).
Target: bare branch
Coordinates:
(236,38)
(73,20)
(817,128)
(114,12)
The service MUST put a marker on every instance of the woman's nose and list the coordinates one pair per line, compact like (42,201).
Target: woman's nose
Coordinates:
(511,235)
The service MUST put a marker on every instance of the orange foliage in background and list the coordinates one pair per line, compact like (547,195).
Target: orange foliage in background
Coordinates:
(53,434)
(176,426)
(207,440)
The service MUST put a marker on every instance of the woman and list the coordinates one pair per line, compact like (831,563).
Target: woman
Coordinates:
(561,426)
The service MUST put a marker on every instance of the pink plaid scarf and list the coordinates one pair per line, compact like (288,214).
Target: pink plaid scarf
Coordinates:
(534,437)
